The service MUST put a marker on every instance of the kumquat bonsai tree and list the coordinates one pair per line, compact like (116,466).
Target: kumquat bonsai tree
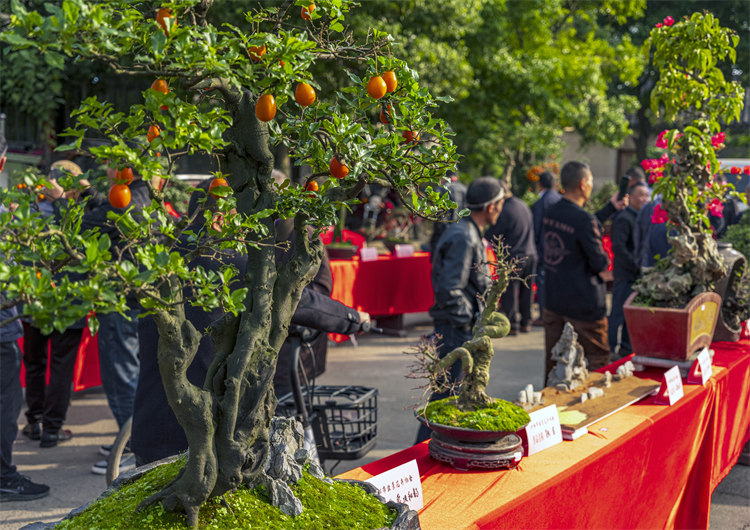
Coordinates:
(232,95)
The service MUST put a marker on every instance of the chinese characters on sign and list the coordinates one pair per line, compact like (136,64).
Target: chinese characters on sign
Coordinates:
(543,430)
(400,484)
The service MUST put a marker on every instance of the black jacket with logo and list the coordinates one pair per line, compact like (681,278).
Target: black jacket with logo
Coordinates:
(573,259)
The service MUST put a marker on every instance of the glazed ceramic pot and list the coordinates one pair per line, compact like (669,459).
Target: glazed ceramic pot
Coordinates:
(670,333)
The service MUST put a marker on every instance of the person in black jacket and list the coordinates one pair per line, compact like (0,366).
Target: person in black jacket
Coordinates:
(548,196)
(515,229)
(625,269)
(573,260)
(156,433)
(460,274)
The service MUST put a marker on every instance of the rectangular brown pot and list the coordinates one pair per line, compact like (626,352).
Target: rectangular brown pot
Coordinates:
(672,333)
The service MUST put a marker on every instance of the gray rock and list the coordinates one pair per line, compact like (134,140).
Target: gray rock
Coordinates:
(595,392)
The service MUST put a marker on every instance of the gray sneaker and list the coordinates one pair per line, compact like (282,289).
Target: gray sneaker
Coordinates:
(126,464)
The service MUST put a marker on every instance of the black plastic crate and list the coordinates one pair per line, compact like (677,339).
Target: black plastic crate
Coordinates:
(344,419)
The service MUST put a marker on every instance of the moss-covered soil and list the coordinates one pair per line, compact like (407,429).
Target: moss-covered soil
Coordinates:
(499,416)
(336,506)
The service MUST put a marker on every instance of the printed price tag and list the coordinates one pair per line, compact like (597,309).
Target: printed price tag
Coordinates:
(671,387)
(403,251)
(701,370)
(400,484)
(544,430)
(368,253)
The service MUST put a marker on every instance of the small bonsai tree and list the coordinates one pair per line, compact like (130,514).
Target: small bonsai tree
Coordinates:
(232,95)
(475,355)
(692,93)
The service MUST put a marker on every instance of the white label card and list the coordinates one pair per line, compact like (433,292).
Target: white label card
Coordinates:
(403,251)
(674,384)
(704,361)
(543,431)
(400,484)
(368,253)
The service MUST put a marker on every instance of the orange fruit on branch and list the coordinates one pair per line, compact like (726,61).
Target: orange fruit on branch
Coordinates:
(337,169)
(305,13)
(160,85)
(124,176)
(119,196)
(385,113)
(410,137)
(376,87)
(265,108)
(304,94)
(312,186)
(256,52)
(153,132)
(161,15)
(390,81)
(218,181)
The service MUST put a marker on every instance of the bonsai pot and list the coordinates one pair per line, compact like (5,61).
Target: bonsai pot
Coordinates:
(670,333)
(341,251)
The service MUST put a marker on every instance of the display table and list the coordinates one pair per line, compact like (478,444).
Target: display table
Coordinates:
(647,466)
(386,286)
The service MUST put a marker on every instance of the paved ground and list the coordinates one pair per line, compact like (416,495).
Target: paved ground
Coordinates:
(378,362)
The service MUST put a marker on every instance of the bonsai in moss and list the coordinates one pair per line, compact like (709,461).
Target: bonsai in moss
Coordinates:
(472,404)
(212,95)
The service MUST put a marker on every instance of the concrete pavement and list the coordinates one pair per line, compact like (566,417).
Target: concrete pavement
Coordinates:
(378,362)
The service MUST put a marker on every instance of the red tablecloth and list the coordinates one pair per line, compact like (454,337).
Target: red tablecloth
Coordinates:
(386,286)
(647,466)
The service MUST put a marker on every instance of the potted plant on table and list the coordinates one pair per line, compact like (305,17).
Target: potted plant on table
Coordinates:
(229,94)
(673,311)
(470,416)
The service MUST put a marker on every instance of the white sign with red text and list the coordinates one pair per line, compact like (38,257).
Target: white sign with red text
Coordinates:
(400,484)
(543,431)
(671,387)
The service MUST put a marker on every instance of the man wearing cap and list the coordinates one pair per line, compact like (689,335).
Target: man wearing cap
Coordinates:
(460,274)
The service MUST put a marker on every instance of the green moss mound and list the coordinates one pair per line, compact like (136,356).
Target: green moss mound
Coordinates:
(499,416)
(327,506)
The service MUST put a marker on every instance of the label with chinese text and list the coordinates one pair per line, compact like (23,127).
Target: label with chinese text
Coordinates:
(671,387)
(544,429)
(400,484)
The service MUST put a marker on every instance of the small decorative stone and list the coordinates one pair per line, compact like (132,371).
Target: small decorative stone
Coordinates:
(570,368)
(607,379)
(595,392)
(584,397)
(522,397)
(537,398)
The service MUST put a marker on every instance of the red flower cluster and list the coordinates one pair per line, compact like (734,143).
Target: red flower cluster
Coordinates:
(659,216)
(655,167)
(718,140)
(715,207)
(668,21)
(661,140)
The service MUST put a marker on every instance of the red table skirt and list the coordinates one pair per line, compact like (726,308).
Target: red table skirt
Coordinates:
(647,466)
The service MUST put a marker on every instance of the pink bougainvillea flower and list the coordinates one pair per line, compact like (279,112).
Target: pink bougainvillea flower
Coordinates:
(746,170)
(654,176)
(659,24)
(646,164)
(664,159)
(661,140)
(735,170)
(668,21)
(718,140)
(659,216)
(715,207)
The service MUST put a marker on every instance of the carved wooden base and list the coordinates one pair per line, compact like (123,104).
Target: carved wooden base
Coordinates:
(505,453)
